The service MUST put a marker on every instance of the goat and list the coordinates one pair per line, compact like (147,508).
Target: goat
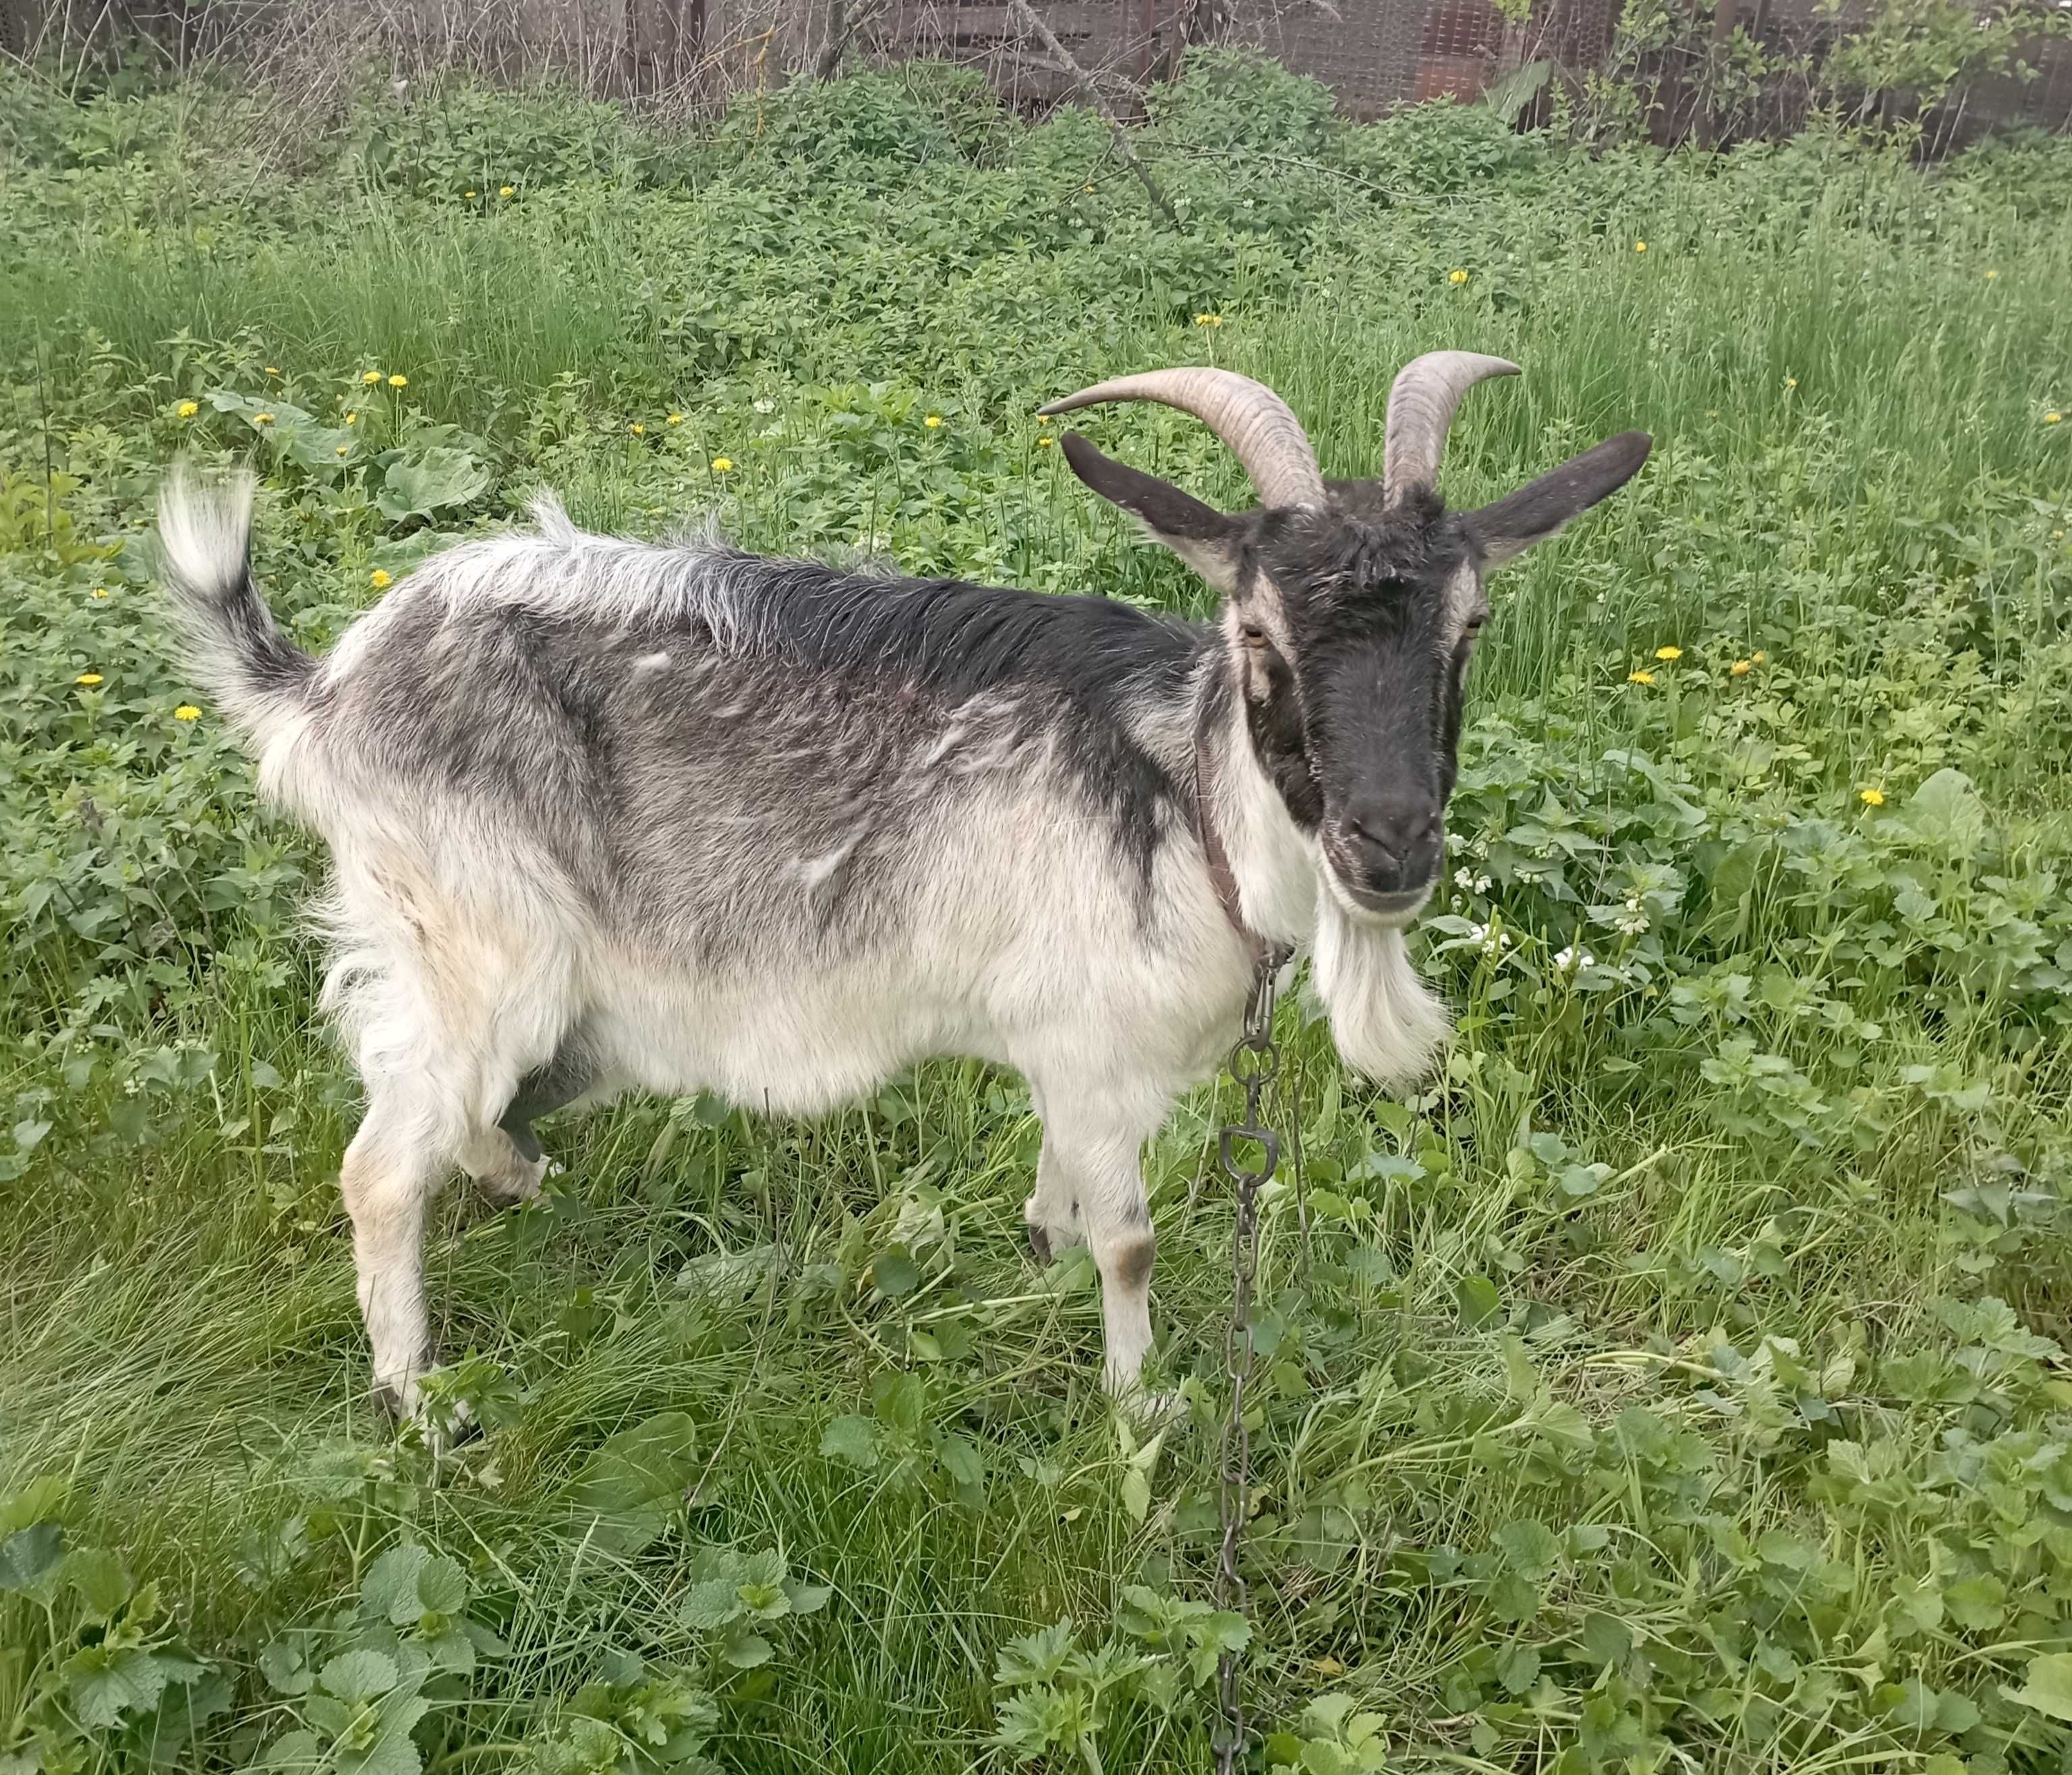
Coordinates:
(608,815)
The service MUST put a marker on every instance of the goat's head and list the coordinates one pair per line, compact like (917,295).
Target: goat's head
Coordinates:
(1351,608)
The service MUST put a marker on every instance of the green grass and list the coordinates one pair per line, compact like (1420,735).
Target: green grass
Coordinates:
(1677,1383)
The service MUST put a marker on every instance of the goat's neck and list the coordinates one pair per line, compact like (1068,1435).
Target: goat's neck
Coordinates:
(1273,862)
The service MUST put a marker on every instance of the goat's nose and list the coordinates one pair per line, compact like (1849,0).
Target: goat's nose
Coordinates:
(1396,840)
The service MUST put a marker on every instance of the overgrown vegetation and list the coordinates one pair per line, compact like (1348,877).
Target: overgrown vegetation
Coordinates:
(1679,1383)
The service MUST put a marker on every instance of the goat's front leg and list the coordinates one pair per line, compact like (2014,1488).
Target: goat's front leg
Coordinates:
(1093,1173)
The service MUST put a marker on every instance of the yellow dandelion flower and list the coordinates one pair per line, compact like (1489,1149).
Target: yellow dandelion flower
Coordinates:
(89,679)
(370,377)
(506,190)
(1871,797)
(1208,320)
(934,421)
(1668,653)
(399,382)
(2053,419)
(187,712)
(380,578)
(722,465)
(674,419)
(1457,277)
(1740,668)
(637,429)
(1640,677)
(1640,246)
(189,408)
(262,419)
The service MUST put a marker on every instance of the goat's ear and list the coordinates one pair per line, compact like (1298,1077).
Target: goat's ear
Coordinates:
(1540,508)
(1200,535)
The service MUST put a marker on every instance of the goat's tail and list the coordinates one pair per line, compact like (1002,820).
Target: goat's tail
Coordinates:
(257,676)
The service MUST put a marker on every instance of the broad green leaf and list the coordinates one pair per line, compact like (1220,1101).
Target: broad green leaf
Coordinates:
(359,1675)
(710,1606)
(422,482)
(101,1686)
(2049,1688)
(851,1438)
(442,1586)
(30,1555)
(100,1580)
(389,1591)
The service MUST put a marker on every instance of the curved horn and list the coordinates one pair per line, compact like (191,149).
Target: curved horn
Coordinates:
(1420,411)
(1256,422)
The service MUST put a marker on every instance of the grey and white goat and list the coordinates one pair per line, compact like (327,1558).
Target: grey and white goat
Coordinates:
(608,815)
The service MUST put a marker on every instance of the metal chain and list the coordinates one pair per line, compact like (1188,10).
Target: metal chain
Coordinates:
(1254,1064)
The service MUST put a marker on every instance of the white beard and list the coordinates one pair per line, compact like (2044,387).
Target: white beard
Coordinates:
(1387,1023)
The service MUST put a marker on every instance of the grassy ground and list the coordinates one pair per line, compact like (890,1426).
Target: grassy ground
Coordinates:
(1678,1384)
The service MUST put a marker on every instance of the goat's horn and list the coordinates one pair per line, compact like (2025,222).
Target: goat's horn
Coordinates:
(1421,411)
(1247,416)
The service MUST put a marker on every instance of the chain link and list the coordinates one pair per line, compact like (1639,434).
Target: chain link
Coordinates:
(1254,1062)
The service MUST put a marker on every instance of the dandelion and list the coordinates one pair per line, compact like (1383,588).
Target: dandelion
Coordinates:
(934,421)
(189,408)
(1640,246)
(637,429)
(1871,797)
(89,679)
(506,190)
(399,382)
(1740,668)
(380,578)
(722,464)
(370,377)
(187,712)
(1457,277)
(1208,320)
(1640,677)
(1668,653)
(262,419)
(674,419)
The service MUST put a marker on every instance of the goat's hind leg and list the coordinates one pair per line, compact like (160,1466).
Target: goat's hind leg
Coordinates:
(507,1160)
(392,1171)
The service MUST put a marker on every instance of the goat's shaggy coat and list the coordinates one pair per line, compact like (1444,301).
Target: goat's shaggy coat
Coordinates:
(608,815)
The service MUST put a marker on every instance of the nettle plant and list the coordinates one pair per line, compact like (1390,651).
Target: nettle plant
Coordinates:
(95,1671)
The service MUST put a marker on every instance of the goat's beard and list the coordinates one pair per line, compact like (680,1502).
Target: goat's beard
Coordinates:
(1387,1022)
